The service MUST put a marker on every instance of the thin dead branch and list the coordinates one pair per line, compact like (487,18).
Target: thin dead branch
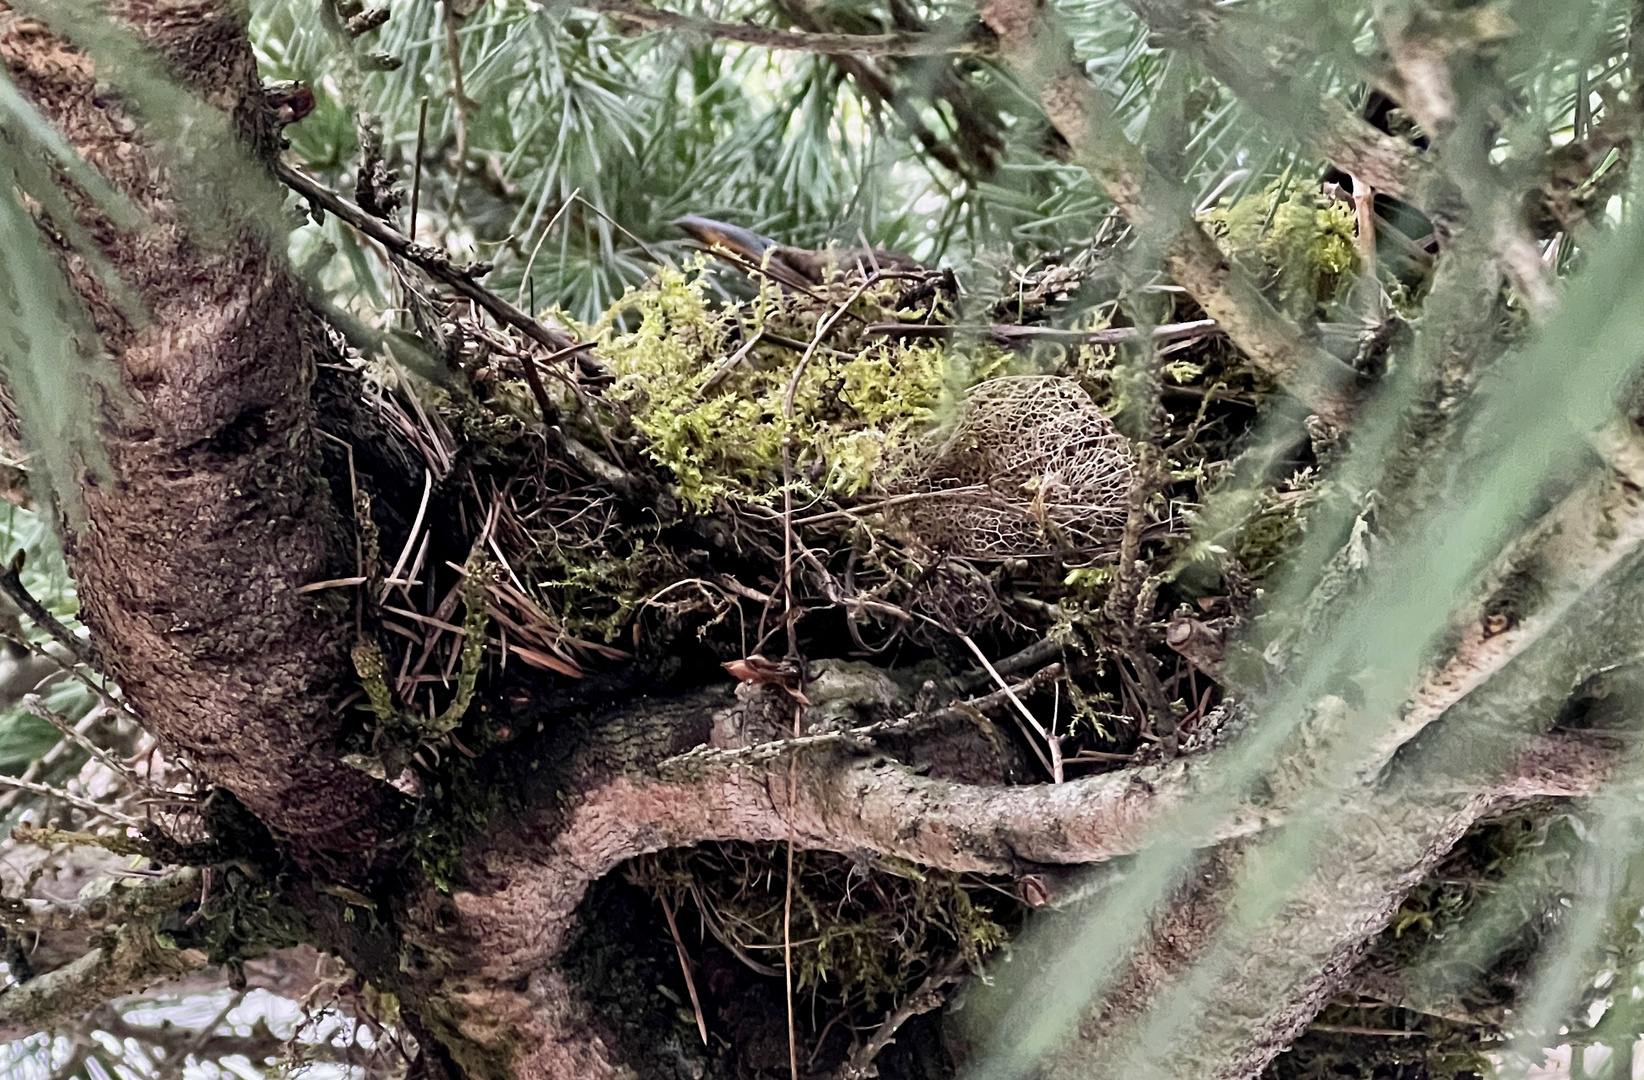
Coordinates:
(927,997)
(460,279)
(11,582)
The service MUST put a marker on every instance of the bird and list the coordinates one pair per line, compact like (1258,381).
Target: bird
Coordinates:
(793,268)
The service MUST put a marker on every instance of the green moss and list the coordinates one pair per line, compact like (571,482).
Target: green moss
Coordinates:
(463,802)
(370,665)
(600,590)
(720,431)
(1300,243)
(242,919)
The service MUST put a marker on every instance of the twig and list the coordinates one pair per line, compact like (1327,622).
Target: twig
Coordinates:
(685,966)
(1124,607)
(11,582)
(1354,1029)
(34,705)
(40,764)
(724,370)
(660,260)
(525,277)
(439,267)
(787,905)
(923,1000)
(79,673)
(453,48)
(1005,335)
(94,808)
(416,168)
(895,500)
(724,937)
(1051,741)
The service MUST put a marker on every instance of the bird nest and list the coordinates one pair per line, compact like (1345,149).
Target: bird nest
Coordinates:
(1030,467)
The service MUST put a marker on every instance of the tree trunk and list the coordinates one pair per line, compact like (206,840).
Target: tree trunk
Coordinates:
(215,512)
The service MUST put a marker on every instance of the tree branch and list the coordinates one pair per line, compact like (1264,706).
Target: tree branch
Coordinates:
(1242,992)
(1568,551)
(128,959)
(439,267)
(1034,45)
(1241,48)
(1421,49)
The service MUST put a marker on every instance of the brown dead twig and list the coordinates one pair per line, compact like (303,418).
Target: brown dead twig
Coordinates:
(1006,335)
(438,265)
(927,997)
(11,583)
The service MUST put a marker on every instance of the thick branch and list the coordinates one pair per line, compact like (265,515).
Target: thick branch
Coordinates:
(518,910)
(1256,986)
(1568,552)
(1421,50)
(854,804)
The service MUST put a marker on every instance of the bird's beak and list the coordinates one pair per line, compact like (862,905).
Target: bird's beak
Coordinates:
(718,236)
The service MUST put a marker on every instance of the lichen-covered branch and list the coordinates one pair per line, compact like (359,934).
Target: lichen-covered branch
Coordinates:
(1565,554)
(1243,992)
(517,911)
(125,959)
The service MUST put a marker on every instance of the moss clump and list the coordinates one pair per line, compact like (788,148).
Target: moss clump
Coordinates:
(1299,243)
(715,410)
(462,804)
(242,919)
(601,589)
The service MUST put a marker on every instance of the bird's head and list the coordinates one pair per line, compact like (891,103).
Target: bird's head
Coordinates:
(718,236)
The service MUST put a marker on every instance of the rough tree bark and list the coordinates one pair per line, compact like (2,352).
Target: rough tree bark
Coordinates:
(216,513)
(217,510)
